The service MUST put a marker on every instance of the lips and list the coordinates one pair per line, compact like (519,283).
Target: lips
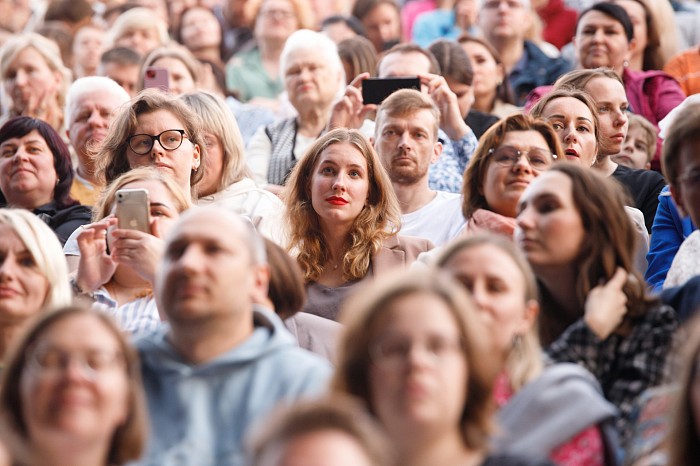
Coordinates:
(571,154)
(335,200)
(518,182)
(619,137)
(8,292)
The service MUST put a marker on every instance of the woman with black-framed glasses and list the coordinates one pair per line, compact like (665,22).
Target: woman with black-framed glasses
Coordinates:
(509,156)
(155,130)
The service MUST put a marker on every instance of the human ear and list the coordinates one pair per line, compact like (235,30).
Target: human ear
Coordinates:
(196,157)
(530,313)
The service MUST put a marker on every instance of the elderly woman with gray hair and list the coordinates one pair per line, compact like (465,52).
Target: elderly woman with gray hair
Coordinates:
(313,77)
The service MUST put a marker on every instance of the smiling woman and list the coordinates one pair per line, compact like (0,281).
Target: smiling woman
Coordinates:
(36,174)
(511,154)
(71,393)
(343,217)
(33,273)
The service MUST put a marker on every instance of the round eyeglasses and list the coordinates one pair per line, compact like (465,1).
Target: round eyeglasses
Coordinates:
(170,139)
(53,361)
(507,156)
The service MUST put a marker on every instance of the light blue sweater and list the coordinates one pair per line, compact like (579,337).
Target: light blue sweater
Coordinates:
(200,414)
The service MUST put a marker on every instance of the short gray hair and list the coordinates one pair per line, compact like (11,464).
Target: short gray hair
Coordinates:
(305,39)
(88,84)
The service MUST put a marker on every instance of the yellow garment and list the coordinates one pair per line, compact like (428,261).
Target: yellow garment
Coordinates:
(84,192)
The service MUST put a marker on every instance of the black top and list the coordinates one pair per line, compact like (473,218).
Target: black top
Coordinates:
(515,460)
(479,122)
(64,221)
(644,186)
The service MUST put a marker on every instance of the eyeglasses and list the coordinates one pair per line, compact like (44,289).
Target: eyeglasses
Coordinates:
(393,352)
(52,361)
(692,177)
(495,4)
(507,156)
(170,139)
(279,14)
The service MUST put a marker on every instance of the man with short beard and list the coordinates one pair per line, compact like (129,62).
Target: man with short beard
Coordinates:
(406,140)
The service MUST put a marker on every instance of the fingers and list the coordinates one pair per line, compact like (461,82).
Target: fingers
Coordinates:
(357,82)
(618,280)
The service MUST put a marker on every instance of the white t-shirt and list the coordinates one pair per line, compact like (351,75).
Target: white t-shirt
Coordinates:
(439,220)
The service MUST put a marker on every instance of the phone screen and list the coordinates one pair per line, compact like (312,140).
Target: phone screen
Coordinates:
(375,90)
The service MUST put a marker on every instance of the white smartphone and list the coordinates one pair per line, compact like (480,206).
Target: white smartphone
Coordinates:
(133,210)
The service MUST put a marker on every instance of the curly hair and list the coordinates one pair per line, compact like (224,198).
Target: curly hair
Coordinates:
(379,219)
(472,188)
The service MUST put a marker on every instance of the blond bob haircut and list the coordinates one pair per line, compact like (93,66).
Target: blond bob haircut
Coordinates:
(363,315)
(406,102)
(177,52)
(47,49)
(46,250)
(128,439)
(685,128)
(472,188)
(578,79)
(103,207)
(302,11)
(217,119)
(563,92)
(650,132)
(111,159)
(338,413)
(524,362)
(378,220)
(137,19)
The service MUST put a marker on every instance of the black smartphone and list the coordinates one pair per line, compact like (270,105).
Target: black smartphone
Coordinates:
(375,90)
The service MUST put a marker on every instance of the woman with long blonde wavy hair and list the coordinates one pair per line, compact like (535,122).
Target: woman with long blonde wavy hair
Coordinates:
(343,218)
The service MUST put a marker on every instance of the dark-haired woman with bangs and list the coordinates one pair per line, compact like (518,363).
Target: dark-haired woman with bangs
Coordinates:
(36,174)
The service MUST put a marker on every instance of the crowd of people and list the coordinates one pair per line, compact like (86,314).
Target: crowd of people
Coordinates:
(215,249)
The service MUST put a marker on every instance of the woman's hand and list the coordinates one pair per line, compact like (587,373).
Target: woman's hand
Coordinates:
(96,266)
(606,305)
(44,107)
(350,111)
(138,250)
(451,120)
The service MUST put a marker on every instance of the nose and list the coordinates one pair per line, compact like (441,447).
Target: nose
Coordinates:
(7,269)
(157,150)
(191,259)
(620,119)
(598,35)
(570,134)
(21,78)
(479,294)
(418,356)
(525,219)
(404,141)
(96,119)
(522,164)
(339,182)
(76,370)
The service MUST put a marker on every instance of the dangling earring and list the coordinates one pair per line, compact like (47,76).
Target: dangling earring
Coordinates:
(625,64)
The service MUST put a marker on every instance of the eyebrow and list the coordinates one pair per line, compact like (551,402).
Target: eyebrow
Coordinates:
(160,204)
(563,117)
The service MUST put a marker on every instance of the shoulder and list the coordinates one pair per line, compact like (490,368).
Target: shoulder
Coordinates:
(411,245)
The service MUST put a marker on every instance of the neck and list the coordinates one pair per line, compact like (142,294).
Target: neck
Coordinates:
(312,121)
(484,102)
(605,165)
(636,63)
(81,72)
(57,452)
(203,340)
(209,53)
(511,50)
(432,450)
(413,197)
(270,50)
(335,237)
(560,282)
(86,169)
(29,201)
